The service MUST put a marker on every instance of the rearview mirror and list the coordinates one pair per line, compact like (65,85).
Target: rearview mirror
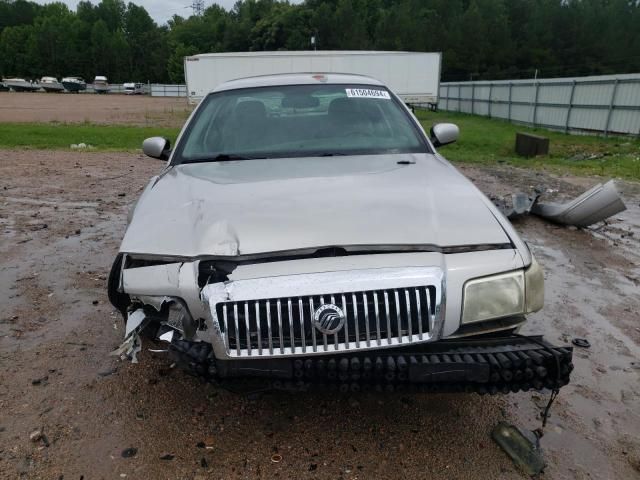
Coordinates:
(300,101)
(444,133)
(157,147)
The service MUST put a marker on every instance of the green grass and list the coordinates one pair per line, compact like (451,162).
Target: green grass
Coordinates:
(482,141)
(488,141)
(56,136)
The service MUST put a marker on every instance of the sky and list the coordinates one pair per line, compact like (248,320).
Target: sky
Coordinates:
(161,10)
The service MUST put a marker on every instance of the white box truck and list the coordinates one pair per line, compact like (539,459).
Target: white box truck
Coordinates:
(413,76)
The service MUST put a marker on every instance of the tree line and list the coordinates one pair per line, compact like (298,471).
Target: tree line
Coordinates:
(480,39)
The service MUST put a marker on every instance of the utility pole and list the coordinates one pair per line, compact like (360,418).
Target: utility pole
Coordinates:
(198,7)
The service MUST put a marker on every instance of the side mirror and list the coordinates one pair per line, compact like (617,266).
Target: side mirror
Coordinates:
(157,147)
(444,133)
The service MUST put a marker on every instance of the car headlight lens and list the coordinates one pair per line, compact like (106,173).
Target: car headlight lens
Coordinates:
(534,287)
(497,296)
(494,297)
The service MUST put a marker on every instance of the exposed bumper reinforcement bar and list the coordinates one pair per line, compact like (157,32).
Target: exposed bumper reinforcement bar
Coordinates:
(483,365)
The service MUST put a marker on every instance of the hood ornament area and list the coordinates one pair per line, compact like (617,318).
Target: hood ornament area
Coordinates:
(328,319)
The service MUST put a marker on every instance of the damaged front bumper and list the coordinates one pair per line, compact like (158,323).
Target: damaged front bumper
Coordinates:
(484,365)
(257,332)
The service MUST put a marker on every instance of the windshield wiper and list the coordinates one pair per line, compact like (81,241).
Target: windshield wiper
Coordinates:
(221,157)
(326,154)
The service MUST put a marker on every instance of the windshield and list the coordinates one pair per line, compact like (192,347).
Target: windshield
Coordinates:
(298,121)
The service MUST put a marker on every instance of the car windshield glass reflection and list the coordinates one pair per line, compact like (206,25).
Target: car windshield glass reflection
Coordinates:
(298,121)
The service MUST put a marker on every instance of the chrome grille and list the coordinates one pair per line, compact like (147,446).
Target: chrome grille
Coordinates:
(283,326)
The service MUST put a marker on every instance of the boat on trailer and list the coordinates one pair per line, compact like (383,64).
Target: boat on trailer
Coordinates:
(3,87)
(21,85)
(100,84)
(74,84)
(51,84)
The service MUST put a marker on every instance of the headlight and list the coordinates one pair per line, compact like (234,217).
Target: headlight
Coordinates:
(497,296)
(494,297)
(534,286)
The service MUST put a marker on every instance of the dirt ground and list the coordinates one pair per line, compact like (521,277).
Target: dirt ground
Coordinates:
(62,215)
(102,109)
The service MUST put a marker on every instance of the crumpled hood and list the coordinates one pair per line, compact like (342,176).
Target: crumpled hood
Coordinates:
(260,206)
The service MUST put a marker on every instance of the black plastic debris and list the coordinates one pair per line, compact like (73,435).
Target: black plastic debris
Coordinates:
(581,342)
(129,452)
(521,446)
(40,381)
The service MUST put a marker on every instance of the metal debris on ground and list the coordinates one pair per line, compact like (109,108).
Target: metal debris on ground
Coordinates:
(132,344)
(516,204)
(129,348)
(522,446)
(593,206)
(581,342)
(134,320)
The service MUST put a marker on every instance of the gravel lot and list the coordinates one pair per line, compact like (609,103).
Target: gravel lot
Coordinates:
(86,107)
(62,215)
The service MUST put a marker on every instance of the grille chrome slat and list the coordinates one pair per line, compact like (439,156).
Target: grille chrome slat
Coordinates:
(285,326)
(246,323)
(431,313)
(407,297)
(258,328)
(324,335)
(398,317)
(279,304)
(346,324)
(292,337)
(386,312)
(420,328)
(365,307)
(377,312)
(269,330)
(356,318)
(235,318)
(226,326)
(335,337)
(301,318)
(313,330)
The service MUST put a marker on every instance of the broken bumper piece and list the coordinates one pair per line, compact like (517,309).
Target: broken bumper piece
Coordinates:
(593,206)
(488,365)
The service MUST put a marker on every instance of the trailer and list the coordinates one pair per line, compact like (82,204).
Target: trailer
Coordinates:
(413,76)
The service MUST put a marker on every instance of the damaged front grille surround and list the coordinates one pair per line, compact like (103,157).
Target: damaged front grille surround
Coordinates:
(371,318)
(278,316)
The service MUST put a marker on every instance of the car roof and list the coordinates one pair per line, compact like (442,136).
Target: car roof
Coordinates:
(309,78)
